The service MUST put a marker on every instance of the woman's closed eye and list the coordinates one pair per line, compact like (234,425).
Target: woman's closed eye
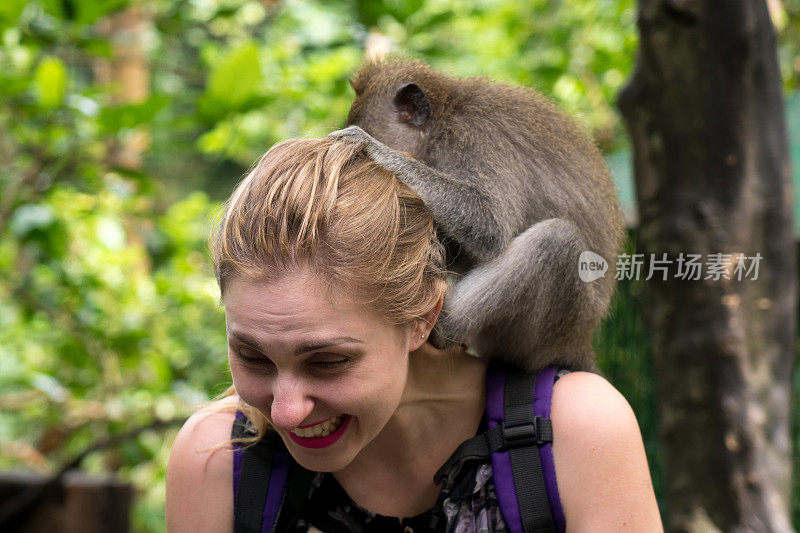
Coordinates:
(331,364)
(255,359)
(249,357)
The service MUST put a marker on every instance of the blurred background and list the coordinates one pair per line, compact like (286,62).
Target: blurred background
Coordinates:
(125,124)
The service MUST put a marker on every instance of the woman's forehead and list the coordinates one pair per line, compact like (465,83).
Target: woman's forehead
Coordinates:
(297,303)
(290,294)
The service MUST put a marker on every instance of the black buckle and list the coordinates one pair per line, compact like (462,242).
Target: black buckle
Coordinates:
(522,434)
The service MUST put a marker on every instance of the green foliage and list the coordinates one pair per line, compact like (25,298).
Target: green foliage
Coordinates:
(50,82)
(84,345)
(234,83)
(109,315)
(786,17)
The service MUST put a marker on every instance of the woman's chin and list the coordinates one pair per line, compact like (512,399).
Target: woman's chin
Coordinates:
(319,463)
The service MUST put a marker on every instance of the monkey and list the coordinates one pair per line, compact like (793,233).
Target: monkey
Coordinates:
(517,192)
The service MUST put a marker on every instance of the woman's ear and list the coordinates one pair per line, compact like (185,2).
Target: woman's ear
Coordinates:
(422,328)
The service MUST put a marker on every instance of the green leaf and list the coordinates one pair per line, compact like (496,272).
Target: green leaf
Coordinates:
(50,82)
(96,47)
(89,11)
(236,78)
(10,10)
(127,116)
(216,140)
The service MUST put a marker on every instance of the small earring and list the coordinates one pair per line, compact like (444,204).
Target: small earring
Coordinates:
(423,335)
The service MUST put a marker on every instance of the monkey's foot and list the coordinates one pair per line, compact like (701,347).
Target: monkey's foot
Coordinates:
(437,340)
(445,334)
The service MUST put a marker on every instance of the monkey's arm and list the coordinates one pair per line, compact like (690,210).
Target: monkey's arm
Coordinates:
(465,210)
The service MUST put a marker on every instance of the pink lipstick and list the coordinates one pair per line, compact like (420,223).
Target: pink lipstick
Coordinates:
(321,442)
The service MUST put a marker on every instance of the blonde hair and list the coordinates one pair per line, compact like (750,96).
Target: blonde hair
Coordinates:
(322,204)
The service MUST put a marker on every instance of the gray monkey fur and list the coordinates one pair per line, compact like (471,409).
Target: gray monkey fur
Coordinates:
(517,191)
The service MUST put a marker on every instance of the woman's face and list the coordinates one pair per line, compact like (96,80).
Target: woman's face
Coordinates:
(301,359)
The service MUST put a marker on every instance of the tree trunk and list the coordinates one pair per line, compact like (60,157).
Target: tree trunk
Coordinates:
(705,112)
(128,75)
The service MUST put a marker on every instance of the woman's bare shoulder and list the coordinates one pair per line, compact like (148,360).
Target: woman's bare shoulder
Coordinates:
(200,473)
(603,478)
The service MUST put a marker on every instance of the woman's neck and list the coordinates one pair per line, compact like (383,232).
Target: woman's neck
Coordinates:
(442,406)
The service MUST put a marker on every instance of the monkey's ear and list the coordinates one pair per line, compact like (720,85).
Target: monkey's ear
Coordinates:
(413,105)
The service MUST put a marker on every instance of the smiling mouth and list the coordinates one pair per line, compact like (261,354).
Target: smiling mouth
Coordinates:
(321,429)
(326,437)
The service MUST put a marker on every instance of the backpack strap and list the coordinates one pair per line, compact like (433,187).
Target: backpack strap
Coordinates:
(543,398)
(519,481)
(261,495)
(518,442)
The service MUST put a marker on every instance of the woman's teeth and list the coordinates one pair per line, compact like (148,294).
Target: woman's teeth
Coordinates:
(323,429)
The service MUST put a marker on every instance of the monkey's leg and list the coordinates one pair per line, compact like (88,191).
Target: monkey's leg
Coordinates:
(528,306)
(481,223)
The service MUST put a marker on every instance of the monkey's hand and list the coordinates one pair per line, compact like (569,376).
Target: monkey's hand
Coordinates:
(392,160)
(475,221)
(354,134)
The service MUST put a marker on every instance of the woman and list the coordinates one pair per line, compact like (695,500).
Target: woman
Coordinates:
(332,279)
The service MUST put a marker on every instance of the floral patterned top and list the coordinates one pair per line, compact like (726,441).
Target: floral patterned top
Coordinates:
(470,507)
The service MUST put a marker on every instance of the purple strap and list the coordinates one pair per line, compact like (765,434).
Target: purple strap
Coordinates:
(501,462)
(277,481)
(542,398)
(503,476)
(277,484)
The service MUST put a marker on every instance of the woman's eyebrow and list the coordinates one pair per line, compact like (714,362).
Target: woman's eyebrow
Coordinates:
(301,348)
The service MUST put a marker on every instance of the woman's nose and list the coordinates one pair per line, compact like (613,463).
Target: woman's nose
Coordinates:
(290,405)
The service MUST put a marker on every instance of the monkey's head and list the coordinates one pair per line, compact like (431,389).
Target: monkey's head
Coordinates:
(396,102)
